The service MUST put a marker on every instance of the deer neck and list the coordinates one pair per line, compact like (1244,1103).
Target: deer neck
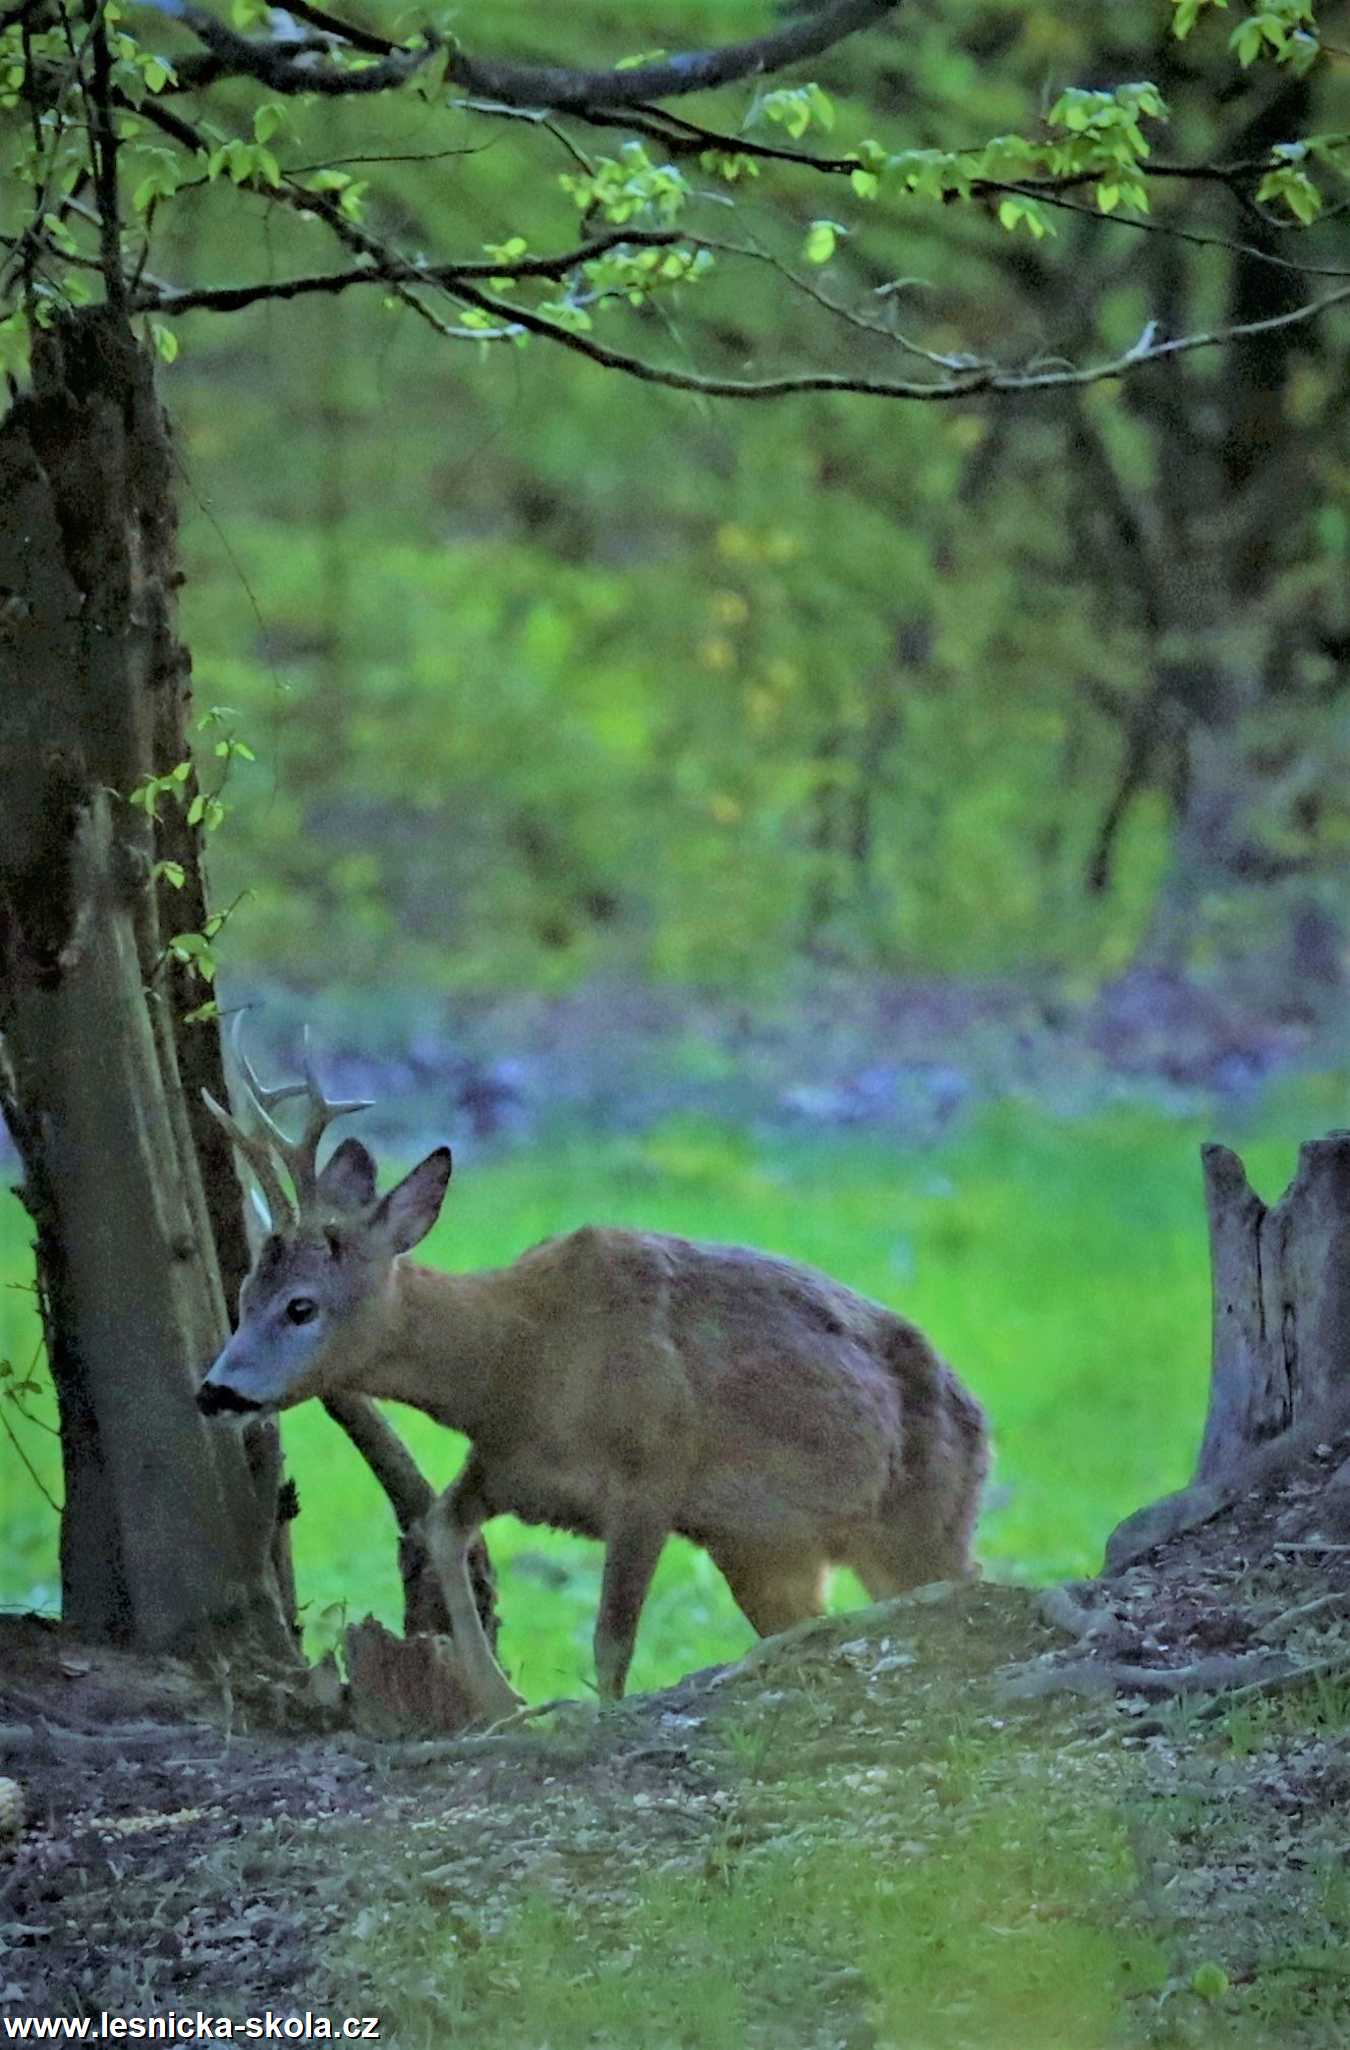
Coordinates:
(445,1341)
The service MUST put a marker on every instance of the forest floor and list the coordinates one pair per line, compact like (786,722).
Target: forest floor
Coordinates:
(977,1816)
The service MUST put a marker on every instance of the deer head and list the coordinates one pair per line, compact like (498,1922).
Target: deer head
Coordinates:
(316,1302)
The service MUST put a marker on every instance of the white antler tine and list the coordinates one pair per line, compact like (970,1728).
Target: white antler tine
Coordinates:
(331,1107)
(263,1100)
(260,1161)
(301,1155)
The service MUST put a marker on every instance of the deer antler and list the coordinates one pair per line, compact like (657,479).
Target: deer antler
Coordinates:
(268,1148)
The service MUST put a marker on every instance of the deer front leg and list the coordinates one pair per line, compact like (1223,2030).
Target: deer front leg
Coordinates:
(633,1543)
(452,1523)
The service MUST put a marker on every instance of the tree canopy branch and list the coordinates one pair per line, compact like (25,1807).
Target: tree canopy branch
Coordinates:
(458,279)
(815,30)
(291,67)
(233,298)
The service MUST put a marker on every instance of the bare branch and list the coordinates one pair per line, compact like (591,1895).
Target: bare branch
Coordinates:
(97,96)
(359,38)
(290,67)
(410,1494)
(815,30)
(984,380)
(283,67)
(1052,192)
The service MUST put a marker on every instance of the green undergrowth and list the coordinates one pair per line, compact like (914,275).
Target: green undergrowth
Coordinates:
(831,1859)
(1016,1947)
(1061,1265)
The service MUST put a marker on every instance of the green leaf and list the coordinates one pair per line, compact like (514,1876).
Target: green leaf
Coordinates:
(166,341)
(196,809)
(171,872)
(1014,213)
(59,233)
(821,239)
(1295,190)
(266,120)
(822,107)
(1245,42)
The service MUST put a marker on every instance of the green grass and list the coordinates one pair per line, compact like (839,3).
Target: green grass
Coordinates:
(812,1915)
(685,1962)
(1061,1266)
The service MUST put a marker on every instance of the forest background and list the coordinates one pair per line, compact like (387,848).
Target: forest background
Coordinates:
(888,833)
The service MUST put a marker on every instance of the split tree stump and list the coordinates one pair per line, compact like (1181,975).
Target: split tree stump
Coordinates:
(1281,1279)
(1280,1365)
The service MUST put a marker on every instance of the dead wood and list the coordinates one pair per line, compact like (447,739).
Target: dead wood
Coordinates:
(1035,1681)
(403,1686)
(1261,1468)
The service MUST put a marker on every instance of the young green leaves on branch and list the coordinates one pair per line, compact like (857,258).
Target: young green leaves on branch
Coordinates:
(204,809)
(1284,30)
(1095,138)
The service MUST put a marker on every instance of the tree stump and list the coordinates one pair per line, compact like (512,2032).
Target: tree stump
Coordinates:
(403,1686)
(1280,1363)
(1281,1279)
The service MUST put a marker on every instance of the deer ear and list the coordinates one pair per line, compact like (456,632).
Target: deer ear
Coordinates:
(409,1211)
(348,1181)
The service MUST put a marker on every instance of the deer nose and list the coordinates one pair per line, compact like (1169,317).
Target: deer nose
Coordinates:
(214,1399)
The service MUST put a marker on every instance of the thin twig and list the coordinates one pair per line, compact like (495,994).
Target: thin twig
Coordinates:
(33,1473)
(1280,1626)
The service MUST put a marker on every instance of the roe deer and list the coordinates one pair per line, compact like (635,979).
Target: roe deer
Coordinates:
(623,1384)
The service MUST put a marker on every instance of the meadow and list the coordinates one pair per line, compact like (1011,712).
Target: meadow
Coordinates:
(1060,1264)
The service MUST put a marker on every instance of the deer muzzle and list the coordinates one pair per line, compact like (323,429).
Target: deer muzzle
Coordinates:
(215,1399)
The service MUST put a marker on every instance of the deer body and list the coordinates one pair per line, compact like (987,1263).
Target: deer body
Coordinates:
(623,1385)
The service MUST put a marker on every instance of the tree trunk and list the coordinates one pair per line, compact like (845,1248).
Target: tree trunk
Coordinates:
(1280,1376)
(1281,1280)
(165,1536)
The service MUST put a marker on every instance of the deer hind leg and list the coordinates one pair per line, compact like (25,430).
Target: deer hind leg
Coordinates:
(452,1524)
(773,1589)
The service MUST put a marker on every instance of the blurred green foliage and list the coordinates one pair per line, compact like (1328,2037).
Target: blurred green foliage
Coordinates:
(550,674)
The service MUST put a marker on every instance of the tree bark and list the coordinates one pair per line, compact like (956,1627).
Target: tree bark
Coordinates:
(165,1537)
(1281,1281)
(1280,1375)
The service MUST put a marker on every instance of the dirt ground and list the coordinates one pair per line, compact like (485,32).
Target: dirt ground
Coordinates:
(182,1850)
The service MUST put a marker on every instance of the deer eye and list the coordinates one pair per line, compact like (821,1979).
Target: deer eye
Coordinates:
(301,1308)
